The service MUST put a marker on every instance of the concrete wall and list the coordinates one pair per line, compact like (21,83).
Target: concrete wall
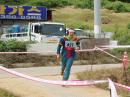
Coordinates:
(87,43)
(102,41)
(90,43)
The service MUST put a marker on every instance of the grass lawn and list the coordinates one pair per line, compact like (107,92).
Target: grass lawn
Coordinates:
(4,93)
(116,75)
(83,18)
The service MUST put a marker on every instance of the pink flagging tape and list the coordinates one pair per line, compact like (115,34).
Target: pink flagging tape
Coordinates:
(66,83)
(23,52)
(83,50)
(108,54)
(89,50)
(123,86)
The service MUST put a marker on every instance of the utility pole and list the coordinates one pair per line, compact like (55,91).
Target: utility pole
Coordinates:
(97,18)
(29,31)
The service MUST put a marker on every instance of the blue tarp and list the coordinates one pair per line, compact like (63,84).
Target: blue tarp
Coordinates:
(15,29)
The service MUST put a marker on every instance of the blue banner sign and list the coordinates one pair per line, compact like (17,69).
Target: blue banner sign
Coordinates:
(23,12)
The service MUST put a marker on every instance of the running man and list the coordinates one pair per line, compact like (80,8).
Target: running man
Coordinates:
(67,50)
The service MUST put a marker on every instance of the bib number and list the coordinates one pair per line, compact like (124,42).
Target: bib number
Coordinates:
(70,44)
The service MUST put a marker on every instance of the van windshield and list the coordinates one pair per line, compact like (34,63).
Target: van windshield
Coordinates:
(51,29)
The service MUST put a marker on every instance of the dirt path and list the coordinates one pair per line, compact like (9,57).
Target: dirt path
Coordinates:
(27,88)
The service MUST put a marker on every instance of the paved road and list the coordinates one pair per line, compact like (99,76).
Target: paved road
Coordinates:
(27,88)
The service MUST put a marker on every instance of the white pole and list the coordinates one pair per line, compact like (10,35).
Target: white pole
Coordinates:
(97,18)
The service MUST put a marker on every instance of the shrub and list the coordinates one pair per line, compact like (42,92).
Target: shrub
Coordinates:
(80,25)
(38,3)
(5,93)
(49,3)
(128,26)
(105,20)
(124,40)
(3,46)
(12,45)
(85,4)
(107,4)
(13,2)
(64,2)
(119,7)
